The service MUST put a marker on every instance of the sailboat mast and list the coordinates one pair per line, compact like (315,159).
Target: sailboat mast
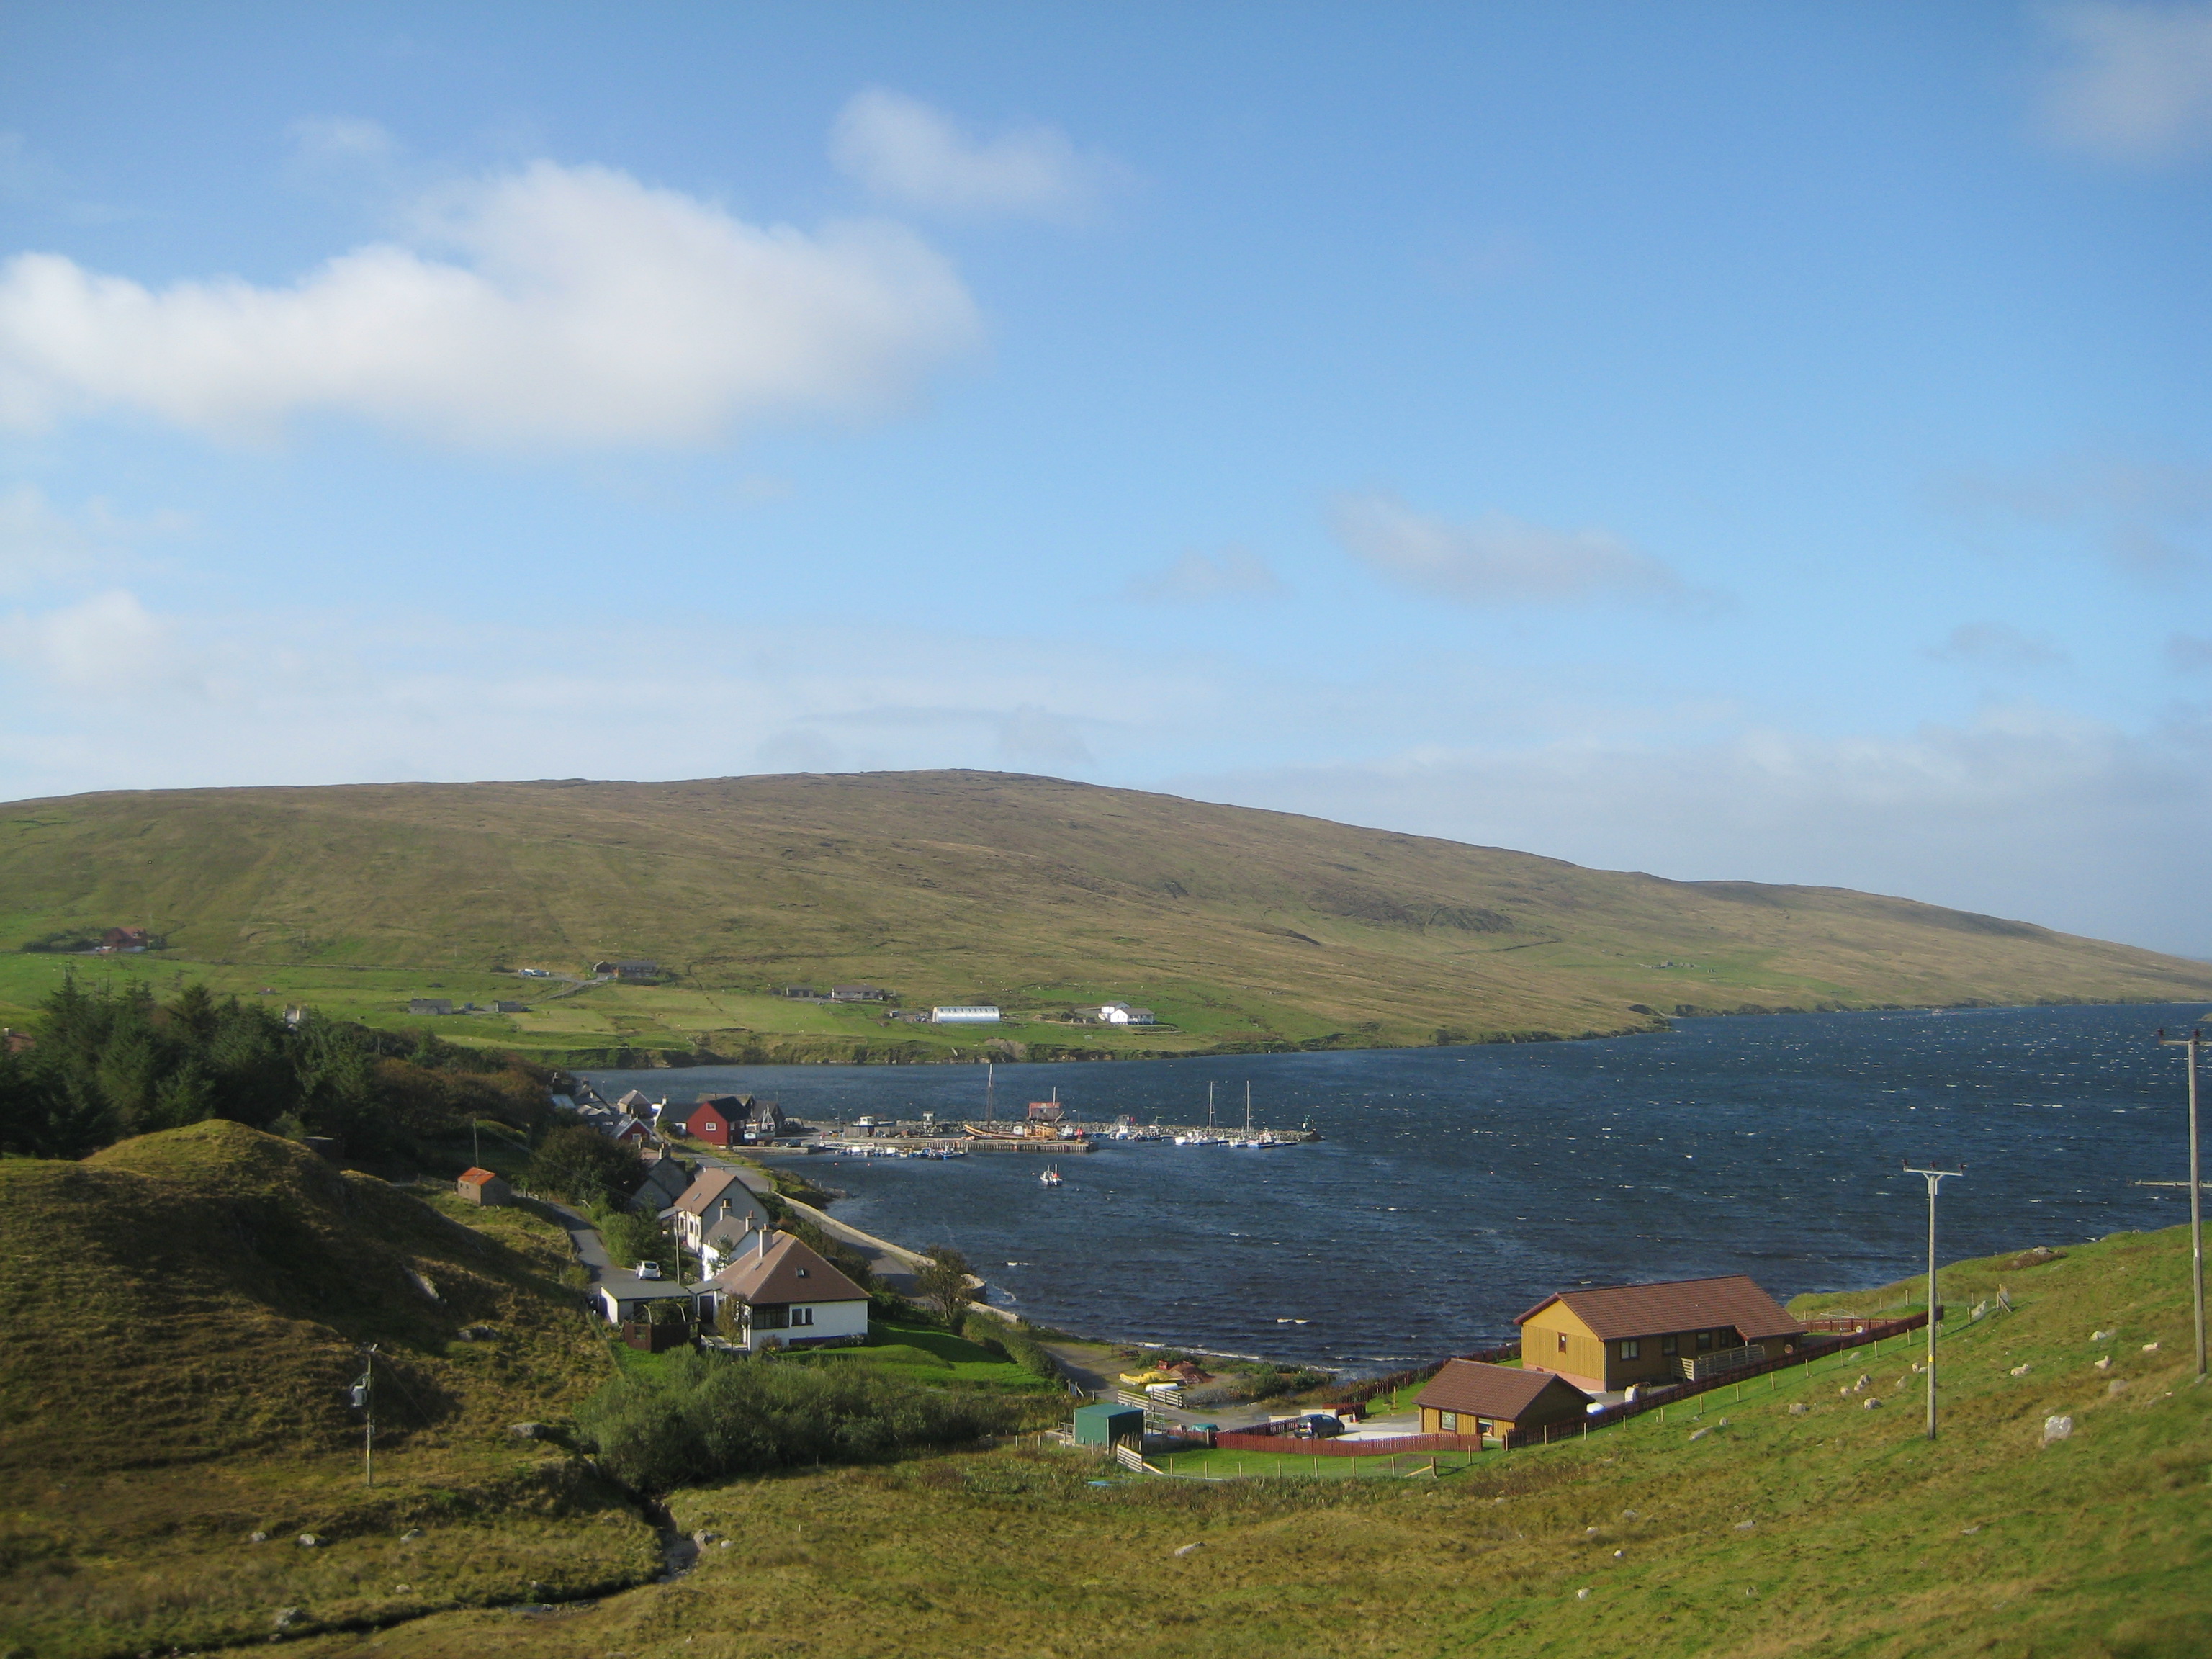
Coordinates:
(1248,1106)
(1209,1105)
(990,1082)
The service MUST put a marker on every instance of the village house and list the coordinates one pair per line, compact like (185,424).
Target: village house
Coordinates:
(727,1121)
(723,1242)
(666,1180)
(859,994)
(1490,1402)
(483,1187)
(629,1131)
(1621,1336)
(626,971)
(782,1294)
(1121,1013)
(124,939)
(712,1194)
(707,1121)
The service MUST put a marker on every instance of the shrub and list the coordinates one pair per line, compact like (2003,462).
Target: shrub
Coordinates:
(576,1162)
(1013,1340)
(705,1416)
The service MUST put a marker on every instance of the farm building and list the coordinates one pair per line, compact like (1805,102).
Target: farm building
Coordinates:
(483,1187)
(1619,1336)
(626,971)
(1121,1013)
(1491,1402)
(965,1013)
(431,1005)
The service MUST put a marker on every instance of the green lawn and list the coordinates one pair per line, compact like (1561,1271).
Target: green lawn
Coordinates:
(926,1353)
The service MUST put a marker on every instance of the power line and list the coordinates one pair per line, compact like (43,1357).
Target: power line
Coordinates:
(1934,1178)
(2193,1043)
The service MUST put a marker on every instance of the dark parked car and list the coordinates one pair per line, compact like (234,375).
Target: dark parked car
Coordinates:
(1316,1425)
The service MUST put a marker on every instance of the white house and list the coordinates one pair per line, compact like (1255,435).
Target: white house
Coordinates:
(781,1294)
(713,1195)
(728,1239)
(1121,1013)
(965,1013)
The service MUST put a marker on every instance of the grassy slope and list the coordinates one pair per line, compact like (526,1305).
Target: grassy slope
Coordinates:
(179,1317)
(1863,1538)
(1240,926)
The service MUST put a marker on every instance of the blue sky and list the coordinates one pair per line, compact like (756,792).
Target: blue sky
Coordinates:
(1762,441)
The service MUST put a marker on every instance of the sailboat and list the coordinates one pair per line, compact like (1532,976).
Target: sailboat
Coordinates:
(1051,1177)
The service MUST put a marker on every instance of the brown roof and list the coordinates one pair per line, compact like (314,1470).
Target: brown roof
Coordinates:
(705,1188)
(1679,1304)
(477,1178)
(788,1271)
(1493,1391)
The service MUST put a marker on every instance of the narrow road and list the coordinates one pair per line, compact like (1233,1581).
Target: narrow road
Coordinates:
(590,1249)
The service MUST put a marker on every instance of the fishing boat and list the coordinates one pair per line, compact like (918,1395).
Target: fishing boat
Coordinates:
(1051,1177)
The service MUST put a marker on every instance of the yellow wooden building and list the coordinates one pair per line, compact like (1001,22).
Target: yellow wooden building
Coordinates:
(1616,1337)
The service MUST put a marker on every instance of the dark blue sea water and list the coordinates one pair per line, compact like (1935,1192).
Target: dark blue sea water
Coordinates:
(1456,1187)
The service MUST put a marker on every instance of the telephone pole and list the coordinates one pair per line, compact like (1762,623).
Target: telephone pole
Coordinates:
(364,1399)
(1934,1178)
(2193,1043)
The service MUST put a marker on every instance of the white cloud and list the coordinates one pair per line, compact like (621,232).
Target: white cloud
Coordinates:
(1234,573)
(905,152)
(2136,84)
(584,308)
(41,543)
(1497,559)
(2145,518)
(1994,645)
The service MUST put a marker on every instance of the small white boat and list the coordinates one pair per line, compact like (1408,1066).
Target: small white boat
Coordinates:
(1051,1177)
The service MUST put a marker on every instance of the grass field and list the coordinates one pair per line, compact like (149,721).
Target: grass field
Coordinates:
(179,1317)
(930,1354)
(1739,1528)
(1242,929)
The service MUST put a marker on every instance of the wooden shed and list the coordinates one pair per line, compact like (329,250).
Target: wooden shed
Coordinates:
(1491,1402)
(483,1187)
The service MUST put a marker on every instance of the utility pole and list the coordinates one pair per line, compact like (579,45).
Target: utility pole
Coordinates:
(1935,1179)
(2193,1043)
(364,1399)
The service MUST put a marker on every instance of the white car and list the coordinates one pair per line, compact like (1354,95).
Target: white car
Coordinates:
(648,1270)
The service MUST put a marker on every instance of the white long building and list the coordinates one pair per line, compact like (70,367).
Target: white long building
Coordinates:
(966,1013)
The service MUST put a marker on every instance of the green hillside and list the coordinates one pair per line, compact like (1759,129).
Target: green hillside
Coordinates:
(1242,928)
(180,1315)
(1735,1529)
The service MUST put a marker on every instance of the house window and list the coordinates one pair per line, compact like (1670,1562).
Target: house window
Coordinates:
(1448,1422)
(1563,1341)
(802,1315)
(1631,1349)
(1670,1345)
(1704,1340)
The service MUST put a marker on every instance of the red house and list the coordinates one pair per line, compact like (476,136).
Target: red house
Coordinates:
(709,1122)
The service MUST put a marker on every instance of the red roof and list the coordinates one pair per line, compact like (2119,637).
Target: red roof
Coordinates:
(1679,1304)
(1494,1391)
(477,1178)
(787,1272)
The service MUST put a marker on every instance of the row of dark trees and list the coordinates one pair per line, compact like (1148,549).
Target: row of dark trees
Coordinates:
(103,1065)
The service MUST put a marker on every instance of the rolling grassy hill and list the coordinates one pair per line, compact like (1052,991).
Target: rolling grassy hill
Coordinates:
(1242,928)
(1739,1528)
(180,1316)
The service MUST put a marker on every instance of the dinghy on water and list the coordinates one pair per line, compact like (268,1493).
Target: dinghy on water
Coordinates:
(1051,1177)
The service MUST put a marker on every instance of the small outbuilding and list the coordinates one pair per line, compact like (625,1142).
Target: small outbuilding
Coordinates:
(1492,1401)
(1109,1425)
(483,1187)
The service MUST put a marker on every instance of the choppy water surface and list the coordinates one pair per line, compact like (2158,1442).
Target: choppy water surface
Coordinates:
(1458,1186)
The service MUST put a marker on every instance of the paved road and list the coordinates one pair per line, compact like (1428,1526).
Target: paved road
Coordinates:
(590,1249)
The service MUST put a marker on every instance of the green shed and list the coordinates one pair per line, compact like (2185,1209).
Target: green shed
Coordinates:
(1101,1425)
